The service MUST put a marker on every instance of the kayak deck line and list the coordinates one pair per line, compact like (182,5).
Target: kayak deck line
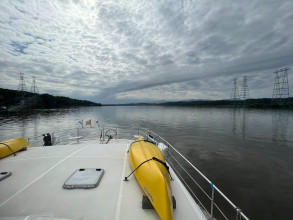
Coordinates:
(12,146)
(126,178)
(14,153)
(153,158)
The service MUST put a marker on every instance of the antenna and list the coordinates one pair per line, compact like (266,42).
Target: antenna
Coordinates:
(235,93)
(21,85)
(244,93)
(281,86)
(34,88)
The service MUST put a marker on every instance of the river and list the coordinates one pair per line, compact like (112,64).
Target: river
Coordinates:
(247,153)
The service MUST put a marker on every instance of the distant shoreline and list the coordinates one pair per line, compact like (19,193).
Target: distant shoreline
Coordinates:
(265,103)
(12,100)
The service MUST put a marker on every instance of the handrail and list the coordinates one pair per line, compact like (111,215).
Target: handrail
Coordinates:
(53,134)
(101,129)
(204,177)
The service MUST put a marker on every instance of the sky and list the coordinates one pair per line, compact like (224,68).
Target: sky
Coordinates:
(122,51)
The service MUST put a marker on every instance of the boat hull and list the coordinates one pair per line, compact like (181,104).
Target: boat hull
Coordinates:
(152,176)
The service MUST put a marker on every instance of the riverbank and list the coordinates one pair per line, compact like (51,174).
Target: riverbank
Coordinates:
(249,103)
(266,103)
(12,100)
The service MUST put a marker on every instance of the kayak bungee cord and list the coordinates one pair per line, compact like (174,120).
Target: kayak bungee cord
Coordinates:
(153,158)
(126,178)
(9,148)
(165,164)
(109,138)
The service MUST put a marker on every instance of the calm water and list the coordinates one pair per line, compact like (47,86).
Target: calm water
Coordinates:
(247,153)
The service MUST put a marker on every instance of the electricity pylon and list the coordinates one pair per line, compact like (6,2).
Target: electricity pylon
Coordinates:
(244,93)
(34,88)
(235,93)
(281,86)
(21,85)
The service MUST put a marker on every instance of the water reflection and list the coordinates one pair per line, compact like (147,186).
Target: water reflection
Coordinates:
(244,122)
(280,122)
(189,123)
(234,121)
(23,124)
(239,122)
(268,125)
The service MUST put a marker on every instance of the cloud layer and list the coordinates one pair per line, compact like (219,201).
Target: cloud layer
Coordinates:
(124,51)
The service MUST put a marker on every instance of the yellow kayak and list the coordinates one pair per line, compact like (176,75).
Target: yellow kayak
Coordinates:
(11,146)
(152,176)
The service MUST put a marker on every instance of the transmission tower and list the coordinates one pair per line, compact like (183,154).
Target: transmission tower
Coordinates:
(281,86)
(34,88)
(235,93)
(244,93)
(21,85)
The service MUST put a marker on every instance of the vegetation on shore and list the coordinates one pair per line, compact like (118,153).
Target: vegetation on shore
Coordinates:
(249,103)
(14,101)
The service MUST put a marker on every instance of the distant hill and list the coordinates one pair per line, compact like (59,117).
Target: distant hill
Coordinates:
(253,103)
(250,103)
(14,101)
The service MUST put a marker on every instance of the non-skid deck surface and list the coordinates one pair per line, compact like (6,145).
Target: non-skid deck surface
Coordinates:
(38,174)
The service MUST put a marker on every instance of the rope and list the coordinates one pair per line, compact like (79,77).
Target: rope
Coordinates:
(165,164)
(9,148)
(126,178)
(153,158)
(109,138)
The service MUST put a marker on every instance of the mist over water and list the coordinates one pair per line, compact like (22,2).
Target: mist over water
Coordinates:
(247,153)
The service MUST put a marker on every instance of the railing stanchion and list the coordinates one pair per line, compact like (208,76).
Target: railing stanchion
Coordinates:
(103,134)
(53,139)
(238,214)
(212,201)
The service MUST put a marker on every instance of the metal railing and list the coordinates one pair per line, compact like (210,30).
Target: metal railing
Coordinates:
(176,160)
(203,191)
(74,135)
(67,136)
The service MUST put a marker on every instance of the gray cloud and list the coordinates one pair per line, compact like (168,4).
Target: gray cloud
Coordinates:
(113,52)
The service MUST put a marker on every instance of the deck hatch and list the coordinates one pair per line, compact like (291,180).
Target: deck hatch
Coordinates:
(84,178)
(4,175)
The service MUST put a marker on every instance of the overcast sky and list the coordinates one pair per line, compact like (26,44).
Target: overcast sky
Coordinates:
(145,50)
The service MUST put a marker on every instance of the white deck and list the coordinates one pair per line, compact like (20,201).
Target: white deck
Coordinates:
(38,174)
